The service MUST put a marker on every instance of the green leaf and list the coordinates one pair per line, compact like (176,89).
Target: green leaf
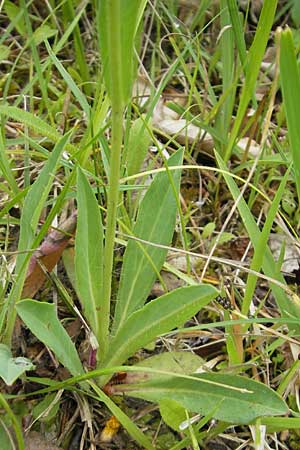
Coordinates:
(253,65)
(78,94)
(157,317)
(137,147)
(43,32)
(155,223)
(290,86)
(6,169)
(118,22)
(68,258)
(240,400)
(208,230)
(172,413)
(13,420)
(4,52)
(89,253)
(14,13)
(295,13)
(34,123)
(223,238)
(41,319)
(127,423)
(261,245)
(174,362)
(33,205)
(238,31)
(5,437)
(12,368)
(36,197)
(47,409)
(227,50)
(277,424)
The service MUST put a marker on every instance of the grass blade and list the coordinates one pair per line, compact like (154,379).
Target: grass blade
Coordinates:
(33,205)
(58,47)
(255,57)
(238,31)
(34,123)
(287,306)
(5,168)
(128,424)
(277,424)
(262,243)
(15,423)
(227,55)
(37,195)
(78,94)
(81,60)
(36,58)
(290,86)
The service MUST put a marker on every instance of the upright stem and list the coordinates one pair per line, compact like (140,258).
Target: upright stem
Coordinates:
(114,42)
(113,196)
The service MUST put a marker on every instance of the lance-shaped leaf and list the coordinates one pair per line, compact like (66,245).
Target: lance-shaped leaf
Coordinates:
(89,252)
(118,24)
(138,144)
(157,317)
(240,399)
(41,319)
(155,223)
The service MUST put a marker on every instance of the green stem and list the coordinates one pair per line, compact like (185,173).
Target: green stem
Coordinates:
(15,423)
(114,43)
(127,423)
(113,196)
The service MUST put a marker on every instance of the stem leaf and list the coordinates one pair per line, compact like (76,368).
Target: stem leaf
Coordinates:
(118,23)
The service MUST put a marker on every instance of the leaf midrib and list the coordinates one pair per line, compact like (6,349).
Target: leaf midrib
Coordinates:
(192,392)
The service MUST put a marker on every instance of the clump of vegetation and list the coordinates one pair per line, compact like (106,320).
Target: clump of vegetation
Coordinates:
(149,224)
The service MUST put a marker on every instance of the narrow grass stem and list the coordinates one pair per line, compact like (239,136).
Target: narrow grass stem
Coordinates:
(14,421)
(113,194)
